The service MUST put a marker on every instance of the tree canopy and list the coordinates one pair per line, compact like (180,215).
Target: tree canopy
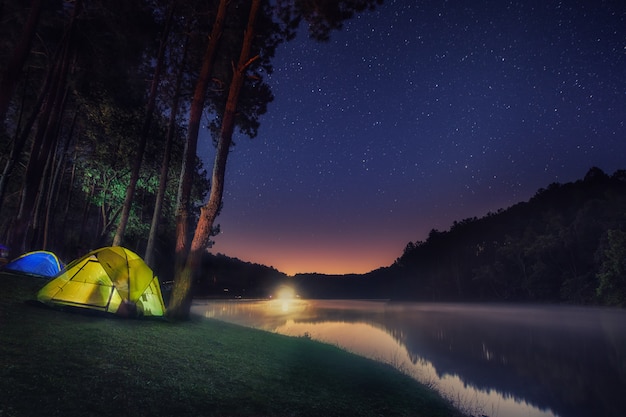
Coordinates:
(99,89)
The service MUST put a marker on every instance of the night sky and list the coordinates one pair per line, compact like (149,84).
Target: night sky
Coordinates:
(419,114)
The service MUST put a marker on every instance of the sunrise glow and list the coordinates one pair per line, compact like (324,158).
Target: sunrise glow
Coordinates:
(297,257)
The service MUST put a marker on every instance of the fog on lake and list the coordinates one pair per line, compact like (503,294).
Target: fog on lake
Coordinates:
(497,360)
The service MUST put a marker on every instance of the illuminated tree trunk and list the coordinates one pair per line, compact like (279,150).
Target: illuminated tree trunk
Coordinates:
(182,293)
(195,115)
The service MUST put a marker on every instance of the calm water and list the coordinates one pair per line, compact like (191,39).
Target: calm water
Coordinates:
(501,361)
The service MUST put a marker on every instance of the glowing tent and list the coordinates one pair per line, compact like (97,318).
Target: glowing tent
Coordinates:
(112,280)
(40,263)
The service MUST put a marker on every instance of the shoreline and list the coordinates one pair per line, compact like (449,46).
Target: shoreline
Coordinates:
(74,365)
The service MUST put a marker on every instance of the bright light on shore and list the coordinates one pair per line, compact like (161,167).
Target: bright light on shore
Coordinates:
(285,293)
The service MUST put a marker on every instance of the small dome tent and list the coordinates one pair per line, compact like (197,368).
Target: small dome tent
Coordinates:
(41,263)
(112,280)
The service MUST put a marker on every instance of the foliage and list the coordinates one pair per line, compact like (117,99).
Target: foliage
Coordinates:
(541,250)
(612,269)
(100,56)
(239,278)
(100,125)
(321,16)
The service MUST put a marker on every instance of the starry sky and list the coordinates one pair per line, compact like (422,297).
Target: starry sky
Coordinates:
(418,114)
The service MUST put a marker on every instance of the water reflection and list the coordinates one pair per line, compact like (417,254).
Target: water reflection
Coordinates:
(498,360)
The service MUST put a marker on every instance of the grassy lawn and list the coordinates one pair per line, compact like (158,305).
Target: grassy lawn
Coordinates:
(56,363)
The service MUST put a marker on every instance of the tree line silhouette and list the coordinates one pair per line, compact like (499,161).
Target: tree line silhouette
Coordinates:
(567,244)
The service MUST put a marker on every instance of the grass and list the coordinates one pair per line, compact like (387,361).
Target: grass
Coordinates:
(56,363)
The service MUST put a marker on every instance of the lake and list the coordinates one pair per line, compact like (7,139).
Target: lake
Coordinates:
(497,360)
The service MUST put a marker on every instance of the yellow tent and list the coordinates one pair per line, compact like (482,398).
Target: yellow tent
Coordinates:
(112,279)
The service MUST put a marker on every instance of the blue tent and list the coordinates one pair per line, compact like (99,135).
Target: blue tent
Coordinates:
(42,263)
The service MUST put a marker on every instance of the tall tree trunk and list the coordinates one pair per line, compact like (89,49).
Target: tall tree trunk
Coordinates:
(195,115)
(180,304)
(54,130)
(44,182)
(165,164)
(21,138)
(68,197)
(16,62)
(56,170)
(145,131)
(44,138)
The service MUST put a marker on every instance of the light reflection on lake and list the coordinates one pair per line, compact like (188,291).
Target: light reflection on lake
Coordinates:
(499,360)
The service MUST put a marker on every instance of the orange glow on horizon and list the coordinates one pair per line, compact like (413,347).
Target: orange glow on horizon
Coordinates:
(292,258)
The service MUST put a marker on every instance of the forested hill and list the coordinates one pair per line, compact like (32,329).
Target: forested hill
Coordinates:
(566,244)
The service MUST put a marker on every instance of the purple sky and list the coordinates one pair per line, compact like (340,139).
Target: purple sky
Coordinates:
(416,115)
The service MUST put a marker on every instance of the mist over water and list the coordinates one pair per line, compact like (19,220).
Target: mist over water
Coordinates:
(498,360)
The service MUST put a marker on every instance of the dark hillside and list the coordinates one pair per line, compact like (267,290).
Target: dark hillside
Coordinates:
(230,277)
(566,244)
(552,248)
